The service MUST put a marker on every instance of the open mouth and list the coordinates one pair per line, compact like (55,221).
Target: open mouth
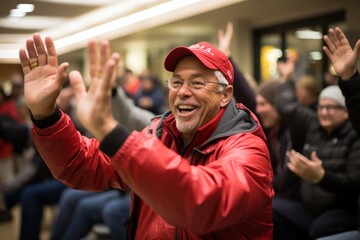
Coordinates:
(185,108)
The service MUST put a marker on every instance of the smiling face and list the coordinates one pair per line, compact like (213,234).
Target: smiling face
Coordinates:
(330,114)
(194,108)
(269,115)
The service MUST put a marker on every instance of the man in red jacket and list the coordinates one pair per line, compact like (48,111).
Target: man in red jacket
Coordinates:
(199,171)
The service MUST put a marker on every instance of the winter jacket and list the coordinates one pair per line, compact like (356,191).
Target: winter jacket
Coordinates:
(338,151)
(7,108)
(217,187)
(351,91)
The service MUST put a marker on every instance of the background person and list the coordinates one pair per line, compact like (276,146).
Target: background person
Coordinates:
(344,60)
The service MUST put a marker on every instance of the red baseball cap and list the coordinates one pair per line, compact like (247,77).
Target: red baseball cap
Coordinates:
(210,56)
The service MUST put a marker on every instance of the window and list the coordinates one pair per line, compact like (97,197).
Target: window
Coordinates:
(302,39)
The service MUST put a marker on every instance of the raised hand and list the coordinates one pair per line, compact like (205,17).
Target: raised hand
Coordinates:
(224,38)
(340,53)
(43,77)
(93,105)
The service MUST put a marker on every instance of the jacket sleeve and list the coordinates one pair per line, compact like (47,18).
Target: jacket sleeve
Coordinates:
(74,159)
(351,92)
(202,199)
(126,113)
(243,93)
(297,117)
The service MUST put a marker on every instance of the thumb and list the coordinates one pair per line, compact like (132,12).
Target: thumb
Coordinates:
(357,50)
(314,157)
(77,84)
(61,73)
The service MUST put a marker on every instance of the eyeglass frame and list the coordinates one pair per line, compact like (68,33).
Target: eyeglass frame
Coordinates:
(329,108)
(190,84)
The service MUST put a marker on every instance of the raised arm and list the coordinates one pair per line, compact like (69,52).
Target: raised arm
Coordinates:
(340,53)
(344,59)
(43,76)
(242,90)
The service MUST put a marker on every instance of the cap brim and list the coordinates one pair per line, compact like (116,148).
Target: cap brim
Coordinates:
(178,53)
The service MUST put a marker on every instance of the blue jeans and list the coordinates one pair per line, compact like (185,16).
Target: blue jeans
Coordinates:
(291,221)
(116,214)
(67,204)
(32,199)
(86,212)
(350,235)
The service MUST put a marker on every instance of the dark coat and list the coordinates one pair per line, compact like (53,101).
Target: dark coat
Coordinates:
(339,152)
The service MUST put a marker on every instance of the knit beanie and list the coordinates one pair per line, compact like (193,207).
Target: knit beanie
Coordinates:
(334,93)
(268,90)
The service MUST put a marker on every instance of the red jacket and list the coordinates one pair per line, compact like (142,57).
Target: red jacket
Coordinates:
(218,187)
(8,108)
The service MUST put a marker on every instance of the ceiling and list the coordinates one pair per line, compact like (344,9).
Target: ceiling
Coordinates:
(71,22)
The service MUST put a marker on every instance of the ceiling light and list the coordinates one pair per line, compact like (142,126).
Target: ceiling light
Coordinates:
(66,41)
(123,22)
(26,7)
(80,2)
(17,13)
(30,22)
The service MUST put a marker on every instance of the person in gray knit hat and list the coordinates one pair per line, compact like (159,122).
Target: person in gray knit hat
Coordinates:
(333,93)
(344,59)
(328,167)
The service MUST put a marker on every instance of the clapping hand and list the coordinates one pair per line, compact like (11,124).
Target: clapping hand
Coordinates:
(307,169)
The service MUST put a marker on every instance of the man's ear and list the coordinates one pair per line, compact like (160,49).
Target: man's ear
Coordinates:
(227,94)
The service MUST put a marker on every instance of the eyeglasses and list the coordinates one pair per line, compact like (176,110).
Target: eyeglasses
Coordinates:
(329,108)
(175,84)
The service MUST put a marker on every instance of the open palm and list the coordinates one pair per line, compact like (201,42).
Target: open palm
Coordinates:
(340,53)
(93,104)
(43,77)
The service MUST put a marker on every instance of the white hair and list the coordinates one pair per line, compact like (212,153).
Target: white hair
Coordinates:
(221,79)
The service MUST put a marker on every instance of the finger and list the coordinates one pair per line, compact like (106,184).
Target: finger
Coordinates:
(335,38)
(31,52)
(51,51)
(109,72)
(77,84)
(314,157)
(40,49)
(104,54)
(293,168)
(341,36)
(229,30)
(329,44)
(116,71)
(24,61)
(93,51)
(302,159)
(328,52)
(61,73)
(357,50)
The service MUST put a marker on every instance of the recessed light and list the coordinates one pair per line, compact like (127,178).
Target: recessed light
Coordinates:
(17,13)
(26,7)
